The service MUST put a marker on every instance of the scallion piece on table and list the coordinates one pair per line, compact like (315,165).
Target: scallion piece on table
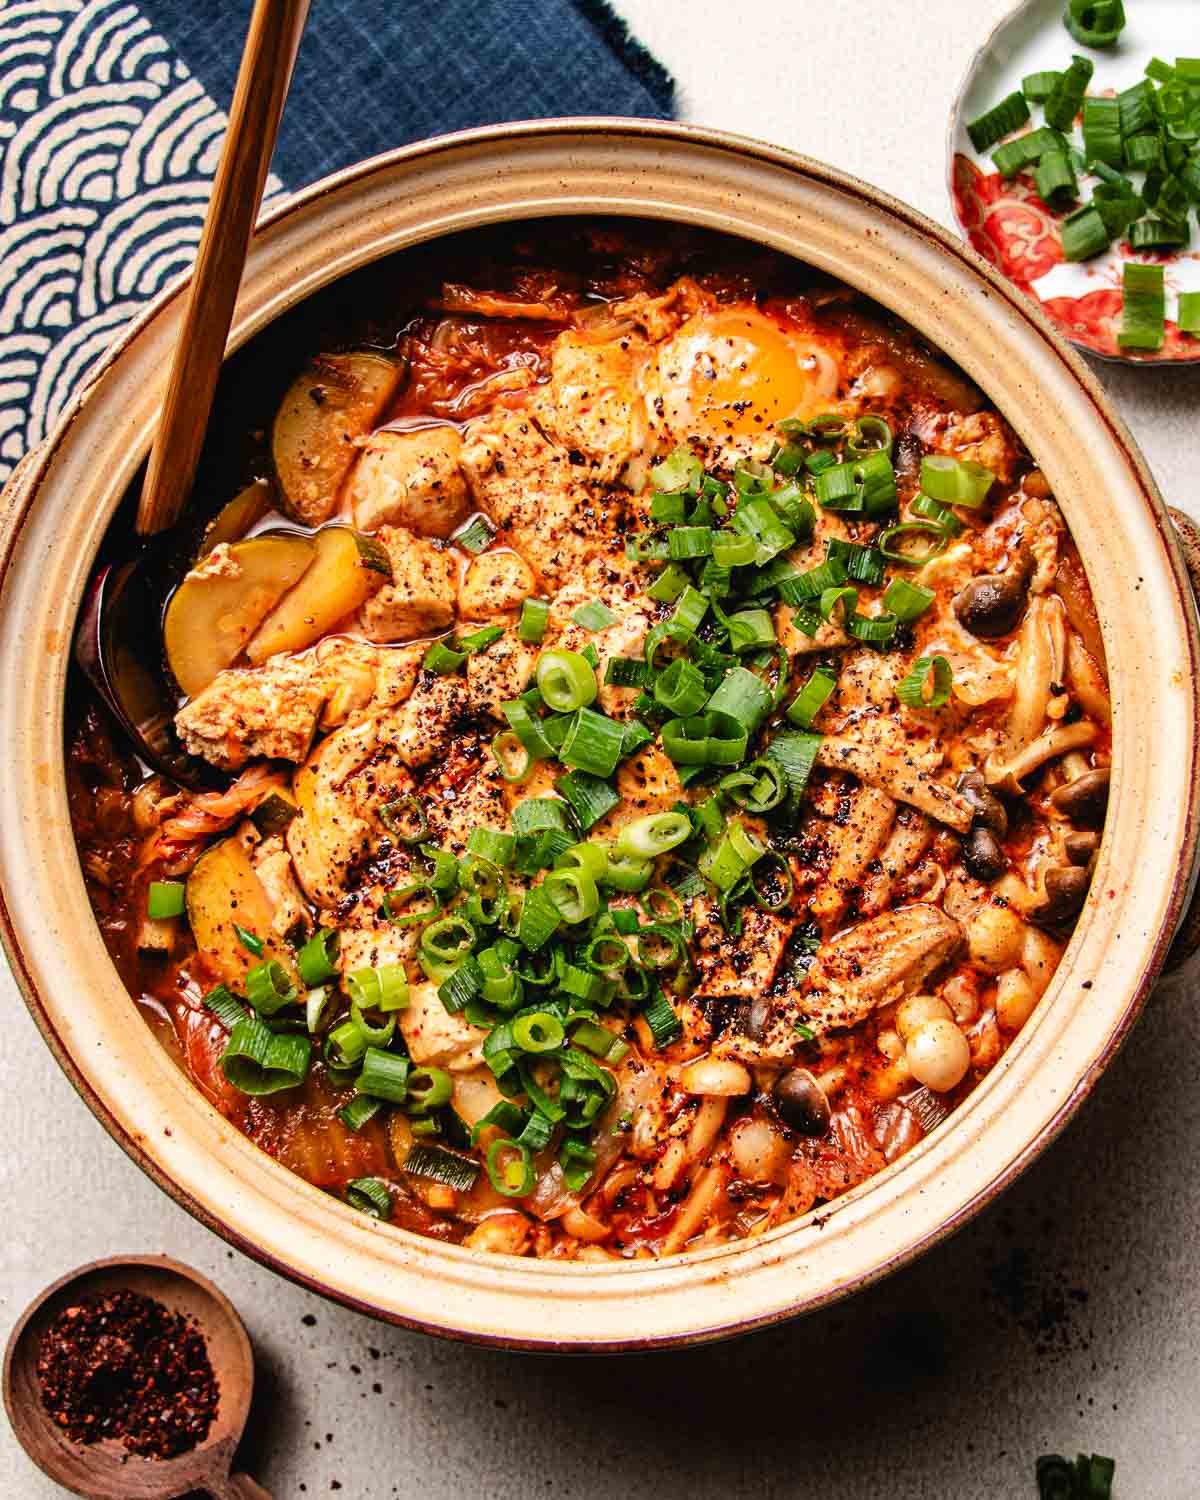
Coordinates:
(1095,23)
(1066,100)
(1026,149)
(1102,131)
(594,615)
(1137,110)
(955,481)
(812,697)
(535,614)
(164,899)
(476,537)
(1037,87)
(316,959)
(1143,318)
(928,684)
(258,1061)
(1001,120)
(370,1196)
(443,660)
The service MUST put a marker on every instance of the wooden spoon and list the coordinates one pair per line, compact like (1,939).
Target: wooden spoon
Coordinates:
(262,86)
(104,1470)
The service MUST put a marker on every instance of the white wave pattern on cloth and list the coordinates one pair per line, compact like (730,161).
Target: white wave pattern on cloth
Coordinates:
(107,148)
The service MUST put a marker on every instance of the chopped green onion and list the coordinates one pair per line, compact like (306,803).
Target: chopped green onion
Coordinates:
(510,1166)
(258,1061)
(1084,234)
(539,812)
(660,1016)
(249,940)
(1188,316)
(1095,23)
(573,894)
(749,630)
(384,988)
(669,584)
(269,988)
(530,731)
(955,481)
(1066,100)
(384,1075)
(316,959)
(868,434)
(359,1110)
(1144,151)
(1143,317)
(428,1089)
(627,872)
(393,815)
(345,1045)
(1026,149)
(594,616)
(374,1036)
(812,697)
(315,1004)
(886,542)
(725,863)
(731,550)
(654,834)
(227,1009)
(907,601)
(1137,109)
(539,919)
(797,754)
(490,844)
(370,1196)
(463,984)
(912,690)
(627,672)
(1037,87)
(1009,115)
(759,787)
(442,660)
(164,899)
(680,470)
(756,517)
(513,759)
(705,740)
(538,1031)
(926,508)
(668,508)
(565,680)
(687,542)
(680,690)
(1102,131)
(593,743)
(1055,179)
(480,640)
(535,615)
(449,1168)
(590,797)
(862,564)
(741,696)
(476,537)
(1156,234)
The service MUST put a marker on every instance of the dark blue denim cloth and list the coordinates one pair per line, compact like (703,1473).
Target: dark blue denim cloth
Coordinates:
(373,74)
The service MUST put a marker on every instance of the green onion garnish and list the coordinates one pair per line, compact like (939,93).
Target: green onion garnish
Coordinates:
(955,481)
(654,834)
(370,1196)
(1037,87)
(590,796)
(928,684)
(1009,115)
(490,844)
(249,940)
(926,508)
(443,659)
(797,754)
(316,959)
(405,820)
(428,1089)
(565,680)
(593,742)
(1084,233)
(480,640)
(1157,234)
(594,616)
(1055,179)
(1066,100)
(1188,316)
(812,697)
(535,614)
(1095,23)
(436,1164)
(476,537)
(164,899)
(907,601)
(258,1061)
(225,1006)
(665,1025)
(269,988)
(384,1075)
(1143,317)
(510,1167)
(359,1110)
(384,988)
(1102,131)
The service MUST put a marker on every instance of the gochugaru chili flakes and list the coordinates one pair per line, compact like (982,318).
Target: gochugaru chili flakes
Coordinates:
(121,1365)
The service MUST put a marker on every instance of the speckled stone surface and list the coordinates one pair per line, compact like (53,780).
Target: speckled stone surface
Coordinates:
(1066,1317)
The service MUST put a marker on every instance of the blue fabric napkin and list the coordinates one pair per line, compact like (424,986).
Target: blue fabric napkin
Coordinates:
(111,113)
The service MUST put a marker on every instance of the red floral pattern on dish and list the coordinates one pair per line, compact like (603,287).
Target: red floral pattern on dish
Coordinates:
(1010,226)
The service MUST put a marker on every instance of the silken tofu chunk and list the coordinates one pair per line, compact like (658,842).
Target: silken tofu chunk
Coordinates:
(420,598)
(494,587)
(410,479)
(267,711)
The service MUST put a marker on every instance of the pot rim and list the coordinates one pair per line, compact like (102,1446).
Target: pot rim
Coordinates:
(23,489)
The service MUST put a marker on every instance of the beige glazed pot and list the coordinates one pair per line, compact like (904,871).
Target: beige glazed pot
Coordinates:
(55,514)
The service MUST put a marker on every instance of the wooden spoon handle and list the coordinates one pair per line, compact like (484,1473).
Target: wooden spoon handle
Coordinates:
(262,86)
(237,1487)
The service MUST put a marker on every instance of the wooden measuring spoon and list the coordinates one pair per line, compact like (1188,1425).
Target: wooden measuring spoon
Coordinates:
(105,1470)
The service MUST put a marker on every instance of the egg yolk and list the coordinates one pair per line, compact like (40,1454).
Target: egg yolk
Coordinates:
(733,373)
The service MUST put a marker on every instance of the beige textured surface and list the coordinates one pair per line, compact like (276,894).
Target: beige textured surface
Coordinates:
(930,1385)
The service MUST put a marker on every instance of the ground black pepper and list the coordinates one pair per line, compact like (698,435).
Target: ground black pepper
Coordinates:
(123,1366)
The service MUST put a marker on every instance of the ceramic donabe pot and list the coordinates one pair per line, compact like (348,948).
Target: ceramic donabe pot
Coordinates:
(56,512)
